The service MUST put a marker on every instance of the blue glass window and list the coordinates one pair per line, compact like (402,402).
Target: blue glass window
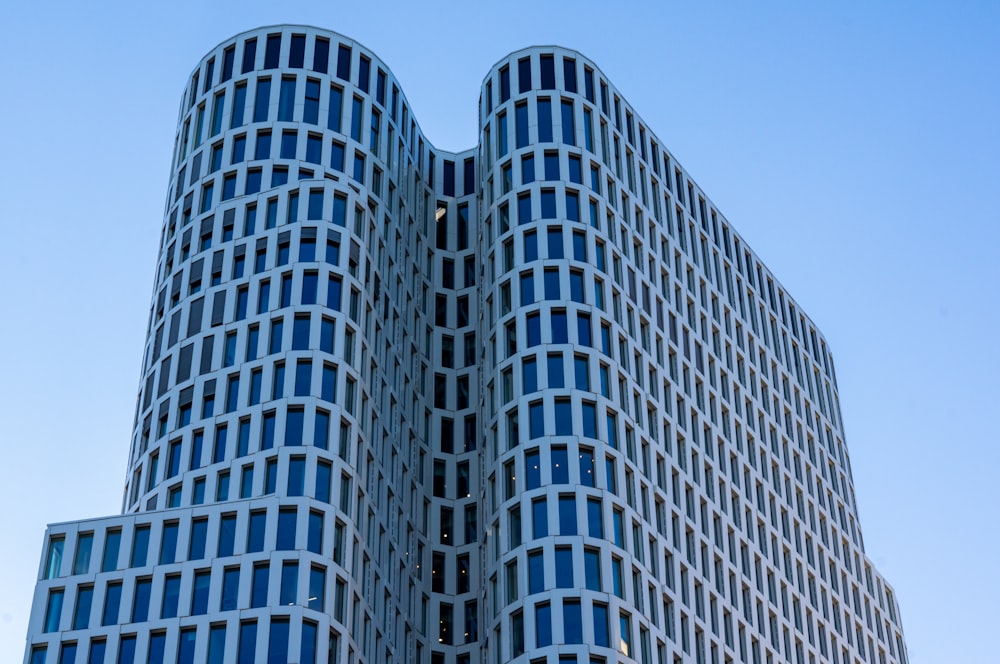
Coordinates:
(249,55)
(219,450)
(548,204)
(583,336)
(98,650)
(524,208)
(140,602)
(112,542)
(258,586)
(232,393)
(576,286)
(564,417)
(536,419)
(530,246)
(527,169)
(286,530)
(289,582)
(551,165)
(543,625)
(297,51)
(157,644)
(81,614)
(357,115)
(272,50)
(524,75)
(277,325)
(529,376)
(289,139)
(501,134)
(293,426)
(321,432)
(536,572)
(267,431)
(336,108)
(228,56)
(544,121)
(310,112)
(321,55)
(307,654)
(359,167)
(168,543)
(534,329)
(246,653)
(230,588)
(337,156)
(559,331)
(171,596)
(595,521)
(286,99)
(564,560)
(140,545)
(227,535)
(315,209)
(300,332)
(277,642)
(568,125)
(521,124)
(572,621)
(255,534)
(504,84)
(532,468)
(314,539)
(344,62)
(239,104)
(112,601)
(217,644)
(309,286)
(324,474)
(551,284)
(262,100)
(592,569)
(527,288)
(314,150)
(328,388)
(364,73)
(572,206)
(539,518)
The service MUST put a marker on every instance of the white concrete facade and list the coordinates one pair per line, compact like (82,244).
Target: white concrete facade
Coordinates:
(532,402)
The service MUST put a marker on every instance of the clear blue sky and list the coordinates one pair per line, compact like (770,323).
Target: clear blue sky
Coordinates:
(855,145)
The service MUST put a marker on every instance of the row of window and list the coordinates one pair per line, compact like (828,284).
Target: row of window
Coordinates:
(279,640)
(287,427)
(176,541)
(272,583)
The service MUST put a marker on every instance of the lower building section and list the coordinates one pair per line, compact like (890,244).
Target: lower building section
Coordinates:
(250,581)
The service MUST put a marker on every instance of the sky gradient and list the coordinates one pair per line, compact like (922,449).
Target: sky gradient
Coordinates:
(855,147)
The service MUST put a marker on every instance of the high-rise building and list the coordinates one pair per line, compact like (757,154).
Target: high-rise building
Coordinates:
(535,402)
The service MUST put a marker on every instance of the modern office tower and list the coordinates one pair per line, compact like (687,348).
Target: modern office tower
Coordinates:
(532,402)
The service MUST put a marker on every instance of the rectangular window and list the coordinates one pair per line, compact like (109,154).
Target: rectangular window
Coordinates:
(262,100)
(84,544)
(247,649)
(568,126)
(272,50)
(217,644)
(524,75)
(140,601)
(572,621)
(539,518)
(544,120)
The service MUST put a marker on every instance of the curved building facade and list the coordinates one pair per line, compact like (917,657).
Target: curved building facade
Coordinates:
(532,402)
